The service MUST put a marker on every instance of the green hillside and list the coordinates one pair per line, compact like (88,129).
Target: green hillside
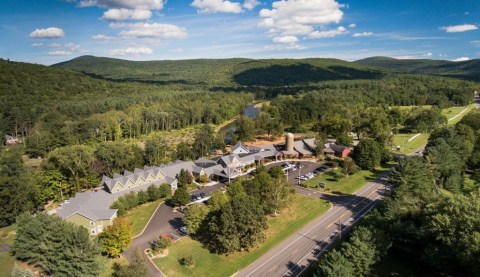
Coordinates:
(468,70)
(225,72)
(32,95)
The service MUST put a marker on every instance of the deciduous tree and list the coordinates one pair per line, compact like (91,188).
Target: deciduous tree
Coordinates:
(116,238)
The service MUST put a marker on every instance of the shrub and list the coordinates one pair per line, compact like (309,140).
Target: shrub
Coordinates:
(187,261)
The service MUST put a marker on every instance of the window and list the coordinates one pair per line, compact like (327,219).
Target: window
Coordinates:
(91,222)
(93,231)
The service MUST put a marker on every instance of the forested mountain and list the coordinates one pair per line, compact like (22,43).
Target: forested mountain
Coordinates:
(468,70)
(55,107)
(224,72)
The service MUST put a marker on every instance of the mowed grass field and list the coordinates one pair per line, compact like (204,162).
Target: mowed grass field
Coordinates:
(344,185)
(408,147)
(140,215)
(455,114)
(302,210)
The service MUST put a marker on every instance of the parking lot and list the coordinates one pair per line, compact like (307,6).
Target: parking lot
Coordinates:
(297,169)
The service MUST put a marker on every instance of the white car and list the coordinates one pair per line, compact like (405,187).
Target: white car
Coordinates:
(184,230)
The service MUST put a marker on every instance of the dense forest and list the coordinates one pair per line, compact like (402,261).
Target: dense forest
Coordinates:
(468,70)
(432,216)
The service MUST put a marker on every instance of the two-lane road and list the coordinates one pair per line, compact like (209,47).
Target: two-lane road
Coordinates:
(293,255)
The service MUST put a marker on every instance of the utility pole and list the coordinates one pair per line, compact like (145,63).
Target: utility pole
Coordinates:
(340,228)
(299,180)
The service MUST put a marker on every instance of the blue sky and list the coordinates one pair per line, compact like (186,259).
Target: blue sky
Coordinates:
(51,31)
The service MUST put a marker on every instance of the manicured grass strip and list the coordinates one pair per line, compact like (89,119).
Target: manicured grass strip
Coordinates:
(7,234)
(303,209)
(344,185)
(408,147)
(140,215)
(6,264)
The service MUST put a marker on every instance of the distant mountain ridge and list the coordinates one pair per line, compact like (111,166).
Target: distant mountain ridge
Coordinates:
(224,72)
(468,70)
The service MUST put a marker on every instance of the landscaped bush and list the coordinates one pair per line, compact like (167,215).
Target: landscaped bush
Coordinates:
(187,261)
(161,244)
(134,199)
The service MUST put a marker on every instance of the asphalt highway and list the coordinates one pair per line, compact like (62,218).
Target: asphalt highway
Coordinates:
(296,253)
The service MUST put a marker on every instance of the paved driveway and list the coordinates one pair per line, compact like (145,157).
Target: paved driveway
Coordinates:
(164,220)
(4,248)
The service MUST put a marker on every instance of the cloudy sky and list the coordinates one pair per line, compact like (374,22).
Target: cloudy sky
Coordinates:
(51,31)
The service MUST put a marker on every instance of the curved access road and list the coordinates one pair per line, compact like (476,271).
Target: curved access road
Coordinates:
(296,253)
(163,221)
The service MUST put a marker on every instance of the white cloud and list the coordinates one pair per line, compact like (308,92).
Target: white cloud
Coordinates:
(363,34)
(127,4)
(51,32)
(72,47)
(285,47)
(285,39)
(37,44)
(132,51)
(55,45)
(157,30)
(328,34)
(461,59)
(214,6)
(101,37)
(250,4)
(475,43)
(429,54)
(459,28)
(353,25)
(125,14)
(59,53)
(301,17)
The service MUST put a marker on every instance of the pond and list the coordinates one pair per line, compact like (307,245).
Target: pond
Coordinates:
(250,111)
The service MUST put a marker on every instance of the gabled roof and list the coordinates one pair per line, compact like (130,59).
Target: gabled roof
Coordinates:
(332,148)
(303,148)
(239,147)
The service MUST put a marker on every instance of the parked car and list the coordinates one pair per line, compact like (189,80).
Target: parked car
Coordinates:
(193,197)
(184,230)
(202,195)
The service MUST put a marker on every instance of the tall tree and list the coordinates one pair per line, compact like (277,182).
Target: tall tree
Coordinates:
(237,226)
(334,264)
(203,141)
(155,151)
(137,266)
(180,197)
(18,190)
(55,246)
(184,151)
(245,129)
(75,163)
(116,238)
(367,154)
(195,216)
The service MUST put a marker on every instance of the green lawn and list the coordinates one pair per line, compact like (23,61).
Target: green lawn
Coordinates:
(6,264)
(140,215)
(411,107)
(407,147)
(344,185)
(452,112)
(7,234)
(303,209)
